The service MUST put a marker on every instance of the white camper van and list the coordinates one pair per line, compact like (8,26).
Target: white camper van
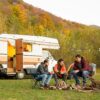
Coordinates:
(21,54)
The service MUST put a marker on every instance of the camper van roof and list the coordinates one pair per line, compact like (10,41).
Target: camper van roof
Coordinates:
(32,39)
(29,37)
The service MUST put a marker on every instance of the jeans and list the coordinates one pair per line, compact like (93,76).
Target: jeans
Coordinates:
(83,74)
(45,79)
(56,77)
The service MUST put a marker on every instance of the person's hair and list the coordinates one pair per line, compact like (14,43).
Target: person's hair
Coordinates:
(45,61)
(60,60)
(83,61)
(78,55)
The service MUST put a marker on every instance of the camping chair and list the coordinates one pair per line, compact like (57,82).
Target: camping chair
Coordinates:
(93,66)
(36,80)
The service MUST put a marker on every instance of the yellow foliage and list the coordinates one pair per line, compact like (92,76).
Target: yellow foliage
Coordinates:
(46,21)
(39,29)
(20,12)
(2,24)
(66,32)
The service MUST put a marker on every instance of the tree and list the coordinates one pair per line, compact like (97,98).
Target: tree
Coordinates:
(20,12)
(2,23)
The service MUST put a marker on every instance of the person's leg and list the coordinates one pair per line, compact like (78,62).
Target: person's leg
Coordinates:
(55,78)
(43,77)
(48,79)
(64,77)
(85,75)
(75,75)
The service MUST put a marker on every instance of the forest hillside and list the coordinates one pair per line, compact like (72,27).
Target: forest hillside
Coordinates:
(18,17)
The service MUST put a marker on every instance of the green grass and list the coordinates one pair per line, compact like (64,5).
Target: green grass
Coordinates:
(22,90)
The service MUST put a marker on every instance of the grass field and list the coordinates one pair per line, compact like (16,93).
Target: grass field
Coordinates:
(22,90)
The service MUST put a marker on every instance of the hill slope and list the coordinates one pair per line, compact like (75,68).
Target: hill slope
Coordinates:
(22,18)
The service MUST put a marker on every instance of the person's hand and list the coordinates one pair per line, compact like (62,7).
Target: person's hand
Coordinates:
(76,71)
(62,72)
(58,73)
(51,73)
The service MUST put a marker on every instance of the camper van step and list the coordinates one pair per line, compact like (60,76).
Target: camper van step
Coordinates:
(11,74)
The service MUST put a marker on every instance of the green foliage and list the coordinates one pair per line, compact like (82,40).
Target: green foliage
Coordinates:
(74,38)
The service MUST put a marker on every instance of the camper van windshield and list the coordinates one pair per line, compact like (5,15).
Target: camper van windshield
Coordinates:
(47,54)
(27,47)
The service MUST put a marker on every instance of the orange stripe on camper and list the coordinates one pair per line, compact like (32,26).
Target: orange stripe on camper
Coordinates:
(3,59)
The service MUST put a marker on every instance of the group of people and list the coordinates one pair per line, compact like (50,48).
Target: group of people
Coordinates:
(79,68)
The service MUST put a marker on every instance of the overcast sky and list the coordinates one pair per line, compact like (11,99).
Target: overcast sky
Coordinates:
(82,11)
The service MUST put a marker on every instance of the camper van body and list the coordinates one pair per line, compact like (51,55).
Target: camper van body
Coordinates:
(23,53)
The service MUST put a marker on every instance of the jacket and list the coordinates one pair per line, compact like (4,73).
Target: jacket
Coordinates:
(42,69)
(61,70)
(83,65)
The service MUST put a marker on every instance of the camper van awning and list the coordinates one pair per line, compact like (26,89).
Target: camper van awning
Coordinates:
(45,42)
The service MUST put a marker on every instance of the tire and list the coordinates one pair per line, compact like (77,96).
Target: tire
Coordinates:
(20,75)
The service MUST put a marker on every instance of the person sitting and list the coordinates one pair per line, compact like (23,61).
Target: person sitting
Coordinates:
(80,68)
(60,71)
(43,73)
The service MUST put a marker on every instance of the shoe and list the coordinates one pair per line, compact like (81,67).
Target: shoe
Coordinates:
(78,86)
(41,86)
(47,86)
(84,85)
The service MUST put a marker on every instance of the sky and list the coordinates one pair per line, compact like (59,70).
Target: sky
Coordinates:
(82,11)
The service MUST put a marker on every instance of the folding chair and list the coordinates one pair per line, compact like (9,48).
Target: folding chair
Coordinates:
(36,80)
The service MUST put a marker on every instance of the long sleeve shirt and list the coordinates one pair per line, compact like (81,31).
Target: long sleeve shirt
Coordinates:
(42,69)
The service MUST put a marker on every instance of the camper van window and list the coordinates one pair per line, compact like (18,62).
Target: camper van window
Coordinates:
(27,47)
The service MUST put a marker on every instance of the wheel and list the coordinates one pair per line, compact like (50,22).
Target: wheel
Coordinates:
(20,75)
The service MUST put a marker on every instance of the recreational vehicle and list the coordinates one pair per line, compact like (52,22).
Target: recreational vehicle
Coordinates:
(21,54)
